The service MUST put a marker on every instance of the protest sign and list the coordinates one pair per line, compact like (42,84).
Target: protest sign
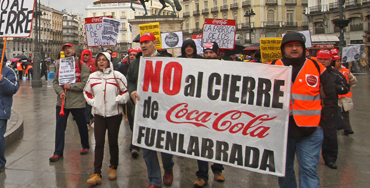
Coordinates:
(270,49)
(220,31)
(111,28)
(154,29)
(351,53)
(306,36)
(204,110)
(93,28)
(198,42)
(172,40)
(16,18)
(67,71)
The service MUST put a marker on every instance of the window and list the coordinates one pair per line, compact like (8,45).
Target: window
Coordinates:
(214,3)
(104,13)
(123,15)
(186,24)
(197,24)
(205,4)
(113,14)
(186,8)
(270,16)
(289,16)
(197,6)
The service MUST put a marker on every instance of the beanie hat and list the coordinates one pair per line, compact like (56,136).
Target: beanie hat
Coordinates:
(211,46)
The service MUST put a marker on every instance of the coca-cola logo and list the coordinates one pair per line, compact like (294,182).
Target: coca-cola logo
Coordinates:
(219,22)
(233,121)
(171,40)
(97,19)
(311,80)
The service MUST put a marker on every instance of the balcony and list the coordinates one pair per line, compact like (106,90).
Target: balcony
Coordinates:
(196,12)
(70,27)
(246,3)
(314,9)
(305,2)
(272,24)
(214,9)
(357,27)
(333,6)
(319,30)
(186,14)
(291,24)
(234,6)
(290,2)
(123,17)
(271,2)
(352,3)
(205,11)
(224,8)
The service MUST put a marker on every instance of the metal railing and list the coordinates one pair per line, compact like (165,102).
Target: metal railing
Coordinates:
(214,9)
(271,2)
(186,14)
(333,6)
(319,30)
(272,24)
(246,3)
(291,24)
(224,8)
(196,12)
(356,27)
(234,6)
(304,2)
(205,11)
(290,2)
(316,8)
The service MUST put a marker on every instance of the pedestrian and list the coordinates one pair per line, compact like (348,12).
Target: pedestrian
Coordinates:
(86,58)
(134,150)
(29,72)
(9,85)
(345,101)
(106,90)
(20,69)
(147,45)
(305,134)
(189,49)
(74,102)
(44,69)
(211,51)
(329,120)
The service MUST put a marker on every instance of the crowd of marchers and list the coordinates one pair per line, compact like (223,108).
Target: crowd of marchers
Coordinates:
(105,94)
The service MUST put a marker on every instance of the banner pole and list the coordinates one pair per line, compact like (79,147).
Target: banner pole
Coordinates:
(2,56)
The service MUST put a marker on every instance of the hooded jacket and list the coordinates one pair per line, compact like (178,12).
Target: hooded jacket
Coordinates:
(8,87)
(193,45)
(90,63)
(106,90)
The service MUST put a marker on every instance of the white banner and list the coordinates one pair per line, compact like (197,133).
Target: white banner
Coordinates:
(172,40)
(225,112)
(220,31)
(307,37)
(67,71)
(198,42)
(16,18)
(351,53)
(111,28)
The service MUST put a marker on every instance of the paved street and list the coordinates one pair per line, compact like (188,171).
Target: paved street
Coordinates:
(28,158)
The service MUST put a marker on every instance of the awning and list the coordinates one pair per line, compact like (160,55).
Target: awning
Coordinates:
(324,38)
(368,14)
(355,15)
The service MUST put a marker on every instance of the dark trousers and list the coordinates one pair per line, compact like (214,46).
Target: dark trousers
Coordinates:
(202,172)
(43,73)
(30,73)
(345,116)
(88,114)
(330,142)
(130,118)
(79,116)
(20,75)
(101,124)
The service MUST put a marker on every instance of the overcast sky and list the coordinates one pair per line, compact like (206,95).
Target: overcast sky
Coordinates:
(72,6)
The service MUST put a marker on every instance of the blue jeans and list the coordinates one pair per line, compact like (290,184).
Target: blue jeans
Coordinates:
(308,156)
(79,115)
(202,172)
(152,165)
(2,142)
(88,114)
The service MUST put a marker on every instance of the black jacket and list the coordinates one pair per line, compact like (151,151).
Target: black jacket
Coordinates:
(185,44)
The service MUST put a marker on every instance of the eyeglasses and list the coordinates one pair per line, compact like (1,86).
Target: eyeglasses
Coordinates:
(86,54)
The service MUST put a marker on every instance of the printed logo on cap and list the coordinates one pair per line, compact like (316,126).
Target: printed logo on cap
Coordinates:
(146,34)
(312,80)
(209,45)
(172,39)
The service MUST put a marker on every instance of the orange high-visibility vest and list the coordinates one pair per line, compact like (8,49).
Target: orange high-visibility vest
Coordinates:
(28,68)
(305,100)
(19,66)
(345,73)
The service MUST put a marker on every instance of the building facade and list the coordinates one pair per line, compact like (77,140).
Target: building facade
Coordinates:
(272,17)
(74,30)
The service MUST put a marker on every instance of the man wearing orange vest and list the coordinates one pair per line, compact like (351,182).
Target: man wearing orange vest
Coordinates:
(330,142)
(305,134)
(20,70)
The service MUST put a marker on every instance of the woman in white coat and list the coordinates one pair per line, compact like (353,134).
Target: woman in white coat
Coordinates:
(106,91)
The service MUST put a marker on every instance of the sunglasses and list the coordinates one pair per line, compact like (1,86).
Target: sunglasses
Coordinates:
(86,54)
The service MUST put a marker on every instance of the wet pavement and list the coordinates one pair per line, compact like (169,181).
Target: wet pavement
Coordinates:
(28,158)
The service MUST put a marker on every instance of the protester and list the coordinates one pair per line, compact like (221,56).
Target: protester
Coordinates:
(304,132)
(106,90)
(20,69)
(134,150)
(86,57)
(147,45)
(345,101)
(329,121)
(9,85)
(211,51)
(29,72)
(74,102)
(189,49)
(114,59)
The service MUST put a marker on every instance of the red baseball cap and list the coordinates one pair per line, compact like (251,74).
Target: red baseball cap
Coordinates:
(147,37)
(335,57)
(67,45)
(334,51)
(137,50)
(323,54)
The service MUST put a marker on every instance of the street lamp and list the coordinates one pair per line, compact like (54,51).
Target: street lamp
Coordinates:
(36,82)
(248,14)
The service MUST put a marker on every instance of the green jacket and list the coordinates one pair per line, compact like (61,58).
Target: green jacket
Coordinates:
(74,96)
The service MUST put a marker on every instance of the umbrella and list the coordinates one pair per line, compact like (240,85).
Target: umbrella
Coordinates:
(14,60)
(21,56)
(248,50)
(237,50)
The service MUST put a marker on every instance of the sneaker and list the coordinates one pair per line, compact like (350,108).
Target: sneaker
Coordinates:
(112,173)
(200,183)
(84,151)
(94,179)
(219,177)
(55,158)
(134,153)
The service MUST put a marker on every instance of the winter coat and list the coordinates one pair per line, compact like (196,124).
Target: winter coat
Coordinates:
(90,63)
(102,92)
(74,96)
(193,45)
(8,87)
